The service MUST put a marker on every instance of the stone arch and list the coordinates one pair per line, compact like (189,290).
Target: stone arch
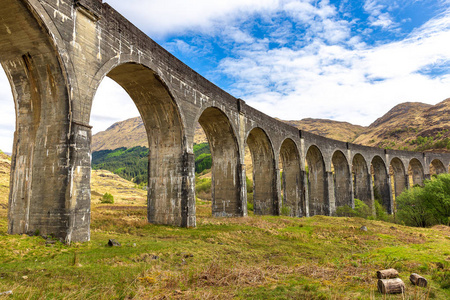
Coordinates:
(226,168)
(398,176)
(44,132)
(169,201)
(264,173)
(415,172)
(291,179)
(342,180)
(437,167)
(362,180)
(381,183)
(317,183)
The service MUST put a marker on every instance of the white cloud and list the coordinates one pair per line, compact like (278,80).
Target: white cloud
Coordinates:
(344,82)
(111,104)
(160,18)
(7,114)
(379,15)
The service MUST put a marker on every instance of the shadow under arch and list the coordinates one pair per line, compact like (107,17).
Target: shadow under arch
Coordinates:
(342,180)
(398,175)
(361,180)
(169,201)
(41,197)
(264,173)
(226,168)
(381,183)
(291,179)
(437,167)
(317,183)
(415,172)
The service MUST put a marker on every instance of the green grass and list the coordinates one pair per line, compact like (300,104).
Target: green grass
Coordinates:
(257,257)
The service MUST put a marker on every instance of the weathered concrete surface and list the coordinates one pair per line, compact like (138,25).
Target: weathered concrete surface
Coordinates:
(56,53)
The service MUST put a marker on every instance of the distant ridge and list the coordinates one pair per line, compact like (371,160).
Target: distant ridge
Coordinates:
(399,128)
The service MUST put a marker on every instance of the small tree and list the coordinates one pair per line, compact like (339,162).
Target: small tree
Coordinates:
(411,209)
(108,198)
(436,198)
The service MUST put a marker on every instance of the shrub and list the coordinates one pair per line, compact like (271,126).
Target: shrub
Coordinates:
(108,198)
(345,211)
(362,210)
(436,198)
(249,185)
(250,205)
(285,210)
(381,212)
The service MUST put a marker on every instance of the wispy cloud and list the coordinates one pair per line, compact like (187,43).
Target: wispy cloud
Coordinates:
(379,13)
(343,79)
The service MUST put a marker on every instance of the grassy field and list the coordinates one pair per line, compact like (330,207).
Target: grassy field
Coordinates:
(240,258)
(257,257)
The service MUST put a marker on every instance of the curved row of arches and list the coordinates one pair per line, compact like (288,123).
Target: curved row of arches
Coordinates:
(284,183)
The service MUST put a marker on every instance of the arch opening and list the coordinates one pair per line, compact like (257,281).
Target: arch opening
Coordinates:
(415,173)
(225,177)
(317,183)
(436,167)
(264,177)
(290,181)
(168,199)
(381,184)
(361,181)
(342,180)
(398,176)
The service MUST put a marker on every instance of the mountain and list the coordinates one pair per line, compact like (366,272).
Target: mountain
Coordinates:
(411,126)
(408,126)
(341,131)
(131,133)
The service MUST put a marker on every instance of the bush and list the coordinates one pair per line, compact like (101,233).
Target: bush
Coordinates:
(250,205)
(108,198)
(285,210)
(249,185)
(361,210)
(345,211)
(426,206)
(436,198)
(381,212)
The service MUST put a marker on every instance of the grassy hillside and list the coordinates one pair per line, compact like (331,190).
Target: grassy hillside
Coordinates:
(411,126)
(132,163)
(341,131)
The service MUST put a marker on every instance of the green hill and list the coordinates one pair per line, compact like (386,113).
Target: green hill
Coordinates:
(132,163)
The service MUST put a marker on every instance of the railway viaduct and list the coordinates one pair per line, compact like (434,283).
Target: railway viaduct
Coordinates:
(56,53)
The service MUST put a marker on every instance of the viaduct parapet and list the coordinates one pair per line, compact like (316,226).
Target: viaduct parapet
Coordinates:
(56,53)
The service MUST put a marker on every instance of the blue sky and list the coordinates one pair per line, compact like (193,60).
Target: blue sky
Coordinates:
(292,59)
